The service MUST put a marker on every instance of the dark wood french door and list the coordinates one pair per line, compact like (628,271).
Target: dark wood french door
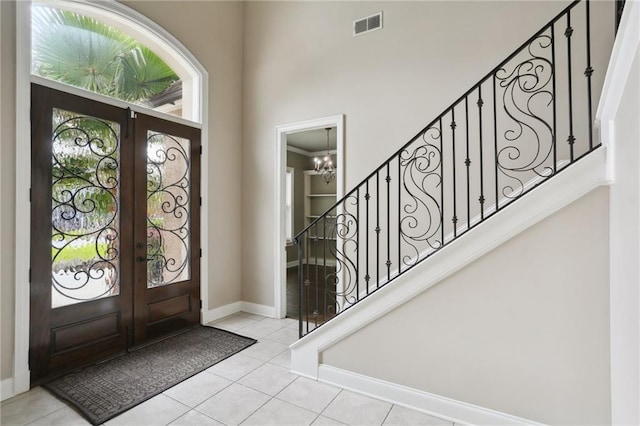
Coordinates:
(115,238)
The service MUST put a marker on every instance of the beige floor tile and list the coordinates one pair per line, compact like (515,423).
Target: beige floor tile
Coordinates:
(236,366)
(404,416)
(268,378)
(195,418)
(250,316)
(28,407)
(283,360)
(233,404)
(280,413)
(309,394)
(233,323)
(355,409)
(197,389)
(259,329)
(65,416)
(157,411)
(326,421)
(265,350)
(285,336)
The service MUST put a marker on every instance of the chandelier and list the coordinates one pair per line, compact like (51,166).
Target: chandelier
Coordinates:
(325,167)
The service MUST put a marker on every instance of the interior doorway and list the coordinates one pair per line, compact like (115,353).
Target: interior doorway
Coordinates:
(303,195)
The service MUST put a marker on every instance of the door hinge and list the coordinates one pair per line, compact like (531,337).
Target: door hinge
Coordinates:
(200,149)
(200,303)
(29,275)
(200,201)
(30,194)
(132,113)
(201,253)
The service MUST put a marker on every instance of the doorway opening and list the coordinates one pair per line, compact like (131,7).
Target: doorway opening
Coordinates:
(302,196)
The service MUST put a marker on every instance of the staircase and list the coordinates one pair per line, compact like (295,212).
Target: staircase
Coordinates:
(475,177)
(523,124)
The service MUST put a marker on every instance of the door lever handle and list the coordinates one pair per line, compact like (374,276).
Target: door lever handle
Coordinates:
(141,259)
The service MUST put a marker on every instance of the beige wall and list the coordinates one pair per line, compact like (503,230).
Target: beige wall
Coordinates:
(7,184)
(301,62)
(523,330)
(212,31)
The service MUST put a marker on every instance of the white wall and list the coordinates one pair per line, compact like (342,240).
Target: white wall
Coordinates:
(524,330)
(625,252)
(301,62)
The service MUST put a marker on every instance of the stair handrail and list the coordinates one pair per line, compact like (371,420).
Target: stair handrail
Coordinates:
(528,74)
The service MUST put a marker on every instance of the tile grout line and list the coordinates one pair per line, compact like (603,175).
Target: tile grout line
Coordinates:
(331,402)
(387,416)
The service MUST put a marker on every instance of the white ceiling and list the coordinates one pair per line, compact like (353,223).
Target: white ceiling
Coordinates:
(312,140)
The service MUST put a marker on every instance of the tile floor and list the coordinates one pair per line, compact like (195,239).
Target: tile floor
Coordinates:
(253,387)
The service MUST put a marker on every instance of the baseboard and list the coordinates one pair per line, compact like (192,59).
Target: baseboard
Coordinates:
(221,312)
(234,308)
(257,309)
(6,389)
(434,405)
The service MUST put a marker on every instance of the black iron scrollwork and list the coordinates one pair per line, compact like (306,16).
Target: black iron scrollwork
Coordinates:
(420,220)
(168,196)
(85,204)
(345,277)
(527,100)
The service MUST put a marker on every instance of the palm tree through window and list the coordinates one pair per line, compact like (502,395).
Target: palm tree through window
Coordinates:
(84,52)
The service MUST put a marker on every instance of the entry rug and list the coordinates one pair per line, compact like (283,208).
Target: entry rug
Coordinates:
(103,391)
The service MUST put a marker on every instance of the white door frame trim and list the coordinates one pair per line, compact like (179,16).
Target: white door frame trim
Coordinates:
(280,271)
(21,374)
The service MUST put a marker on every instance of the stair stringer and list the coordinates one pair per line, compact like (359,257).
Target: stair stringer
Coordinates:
(582,177)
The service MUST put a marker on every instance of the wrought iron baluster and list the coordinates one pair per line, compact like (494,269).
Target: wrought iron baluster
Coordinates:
(316,282)
(324,274)
(453,162)
(495,139)
(588,72)
(555,126)
(378,229)
(300,243)
(357,244)
(441,188)
(388,179)
(366,197)
(571,139)
(307,281)
(399,215)
(481,199)
(467,161)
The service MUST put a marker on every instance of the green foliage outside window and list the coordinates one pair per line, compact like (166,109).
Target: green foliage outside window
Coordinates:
(83,52)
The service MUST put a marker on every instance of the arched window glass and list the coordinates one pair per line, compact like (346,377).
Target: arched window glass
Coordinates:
(85,52)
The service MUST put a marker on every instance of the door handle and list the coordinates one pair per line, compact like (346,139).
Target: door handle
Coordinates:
(141,259)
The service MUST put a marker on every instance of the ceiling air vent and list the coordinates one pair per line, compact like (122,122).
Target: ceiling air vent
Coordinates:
(368,24)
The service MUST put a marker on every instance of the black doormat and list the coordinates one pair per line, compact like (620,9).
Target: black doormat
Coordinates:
(103,391)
